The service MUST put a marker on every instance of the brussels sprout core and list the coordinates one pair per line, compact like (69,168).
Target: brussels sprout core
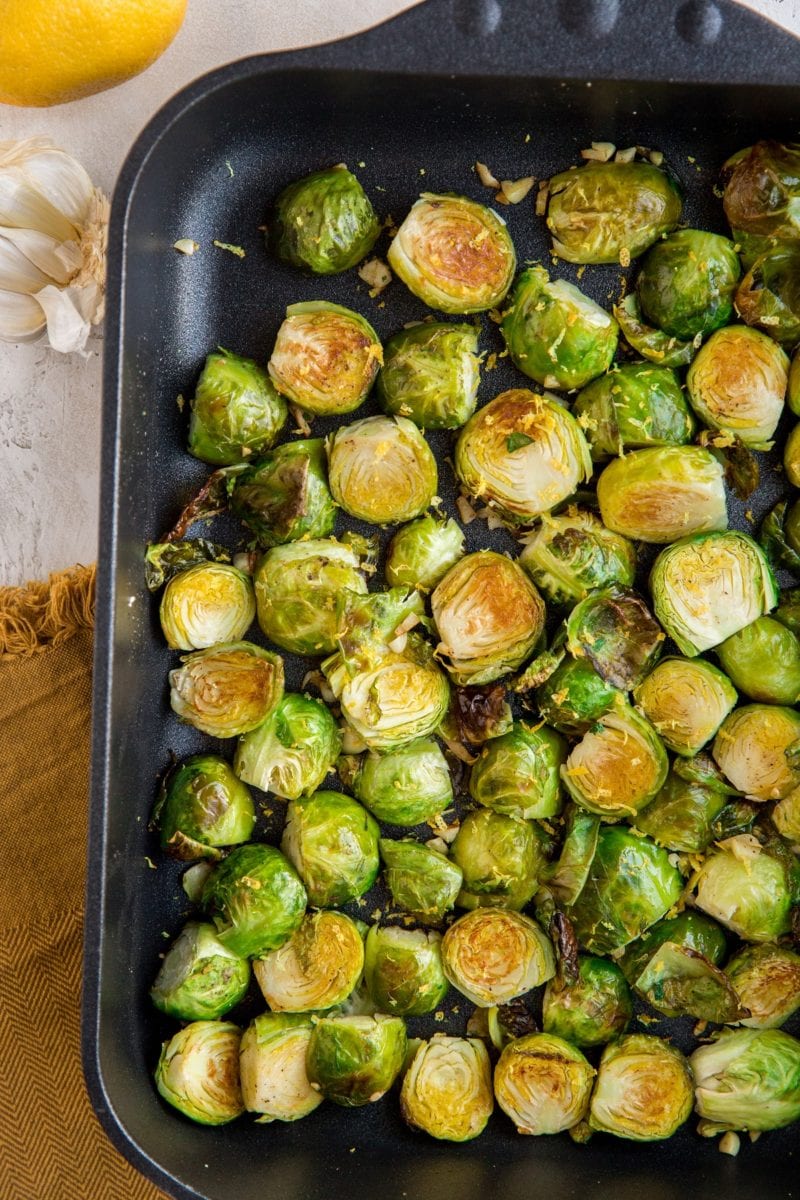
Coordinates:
(543,1083)
(447,1089)
(643,1090)
(382,470)
(227,690)
(618,767)
(756,748)
(493,955)
(767,981)
(325,358)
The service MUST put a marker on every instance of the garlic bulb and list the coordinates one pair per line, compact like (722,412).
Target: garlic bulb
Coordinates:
(53,236)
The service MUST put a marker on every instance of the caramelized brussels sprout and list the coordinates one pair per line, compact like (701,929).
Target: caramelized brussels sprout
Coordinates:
(689,929)
(447,1089)
(421,880)
(202,805)
(206,605)
(555,334)
(633,406)
(523,454)
(685,700)
(786,816)
(769,295)
(793,393)
(616,631)
(763,660)
(758,749)
(324,222)
(382,470)
(236,411)
(643,1091)
(653,344)
(316,969)
(403,970)
(682,815)
(199,979)
(748,1079)
(454,254)
(518,772)
(708,586)
(430,374)
(567,877)
(664,493)
(747,888)
(284,496)
(687,281)
(325,358)
(761,196)
(228,689)
(605,208)
(767,981)
(737,383)
(596,1009)
(272,1065)
(256,900)
(354,1060)
(543,1083)
(791,456)
(618,767)
(292,752)
(680,982)
(574,696)
(333,843)
(421,553)
(492,955)
(501,859)
(405,786)
(198,1072)
(572,553)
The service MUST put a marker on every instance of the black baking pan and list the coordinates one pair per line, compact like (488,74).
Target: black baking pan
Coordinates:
(410,105)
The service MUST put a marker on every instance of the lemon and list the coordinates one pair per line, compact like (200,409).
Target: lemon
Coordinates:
(52,51)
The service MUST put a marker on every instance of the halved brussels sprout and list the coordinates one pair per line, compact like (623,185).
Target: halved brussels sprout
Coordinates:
(747,888)
(272,1066)
(791,456)
(236,411)
(686,283)
(430,374)
(517,773)
(748,1079)
(355,1060)
(501,858)
(767,981)
(643,1091)
(198,1072)
(405,786)
(689,929)
(333,843)
(201,806)
(296,590)
(206,605)
(653,344)
(618,767)
(737,383)
(292,752)
(592,1011)
(785,816)
(256,900)
(493,955)
(284,496)
(682,815)
(567,877)
(422,552)
(709,586)
(488,615)
(793,392)
(762,193)
(228,689)
(616,631)
(605,208)
(633,406)
(422,881)
(543,1083)
(324,222)
(447,1089)
(769,295)
(555,334)
(685,700)
(523,454)
(325,358)
(574,696)
(403,970)
(382,470)
(572,553)
(680,982)
(758,749)
(454,254)
(631,884)
(316,969)
(199,979)
(763,660)
(662,494)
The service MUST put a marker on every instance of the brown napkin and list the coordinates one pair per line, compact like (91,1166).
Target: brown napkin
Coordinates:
(51,1144)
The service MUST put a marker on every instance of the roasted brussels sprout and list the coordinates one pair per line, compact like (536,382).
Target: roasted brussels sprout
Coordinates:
(616,631)
(403,970)
(758,749)
(682,815)
(793,393)
(687,281)
(689,929)
(228,689)
(236,411)
(199,979)
(769,295)
(779,535)
(405,786)
(292,752)
(324,222)
(737,383)
(284,496)
(555,334)
(296,590)
(748,1079)
(574,696)
(333,843)
(316,969)
(605,208)
(493,955)
(430,374)
(489,617)
(747,888)
(164,560)
(447,1089)
(198,1072)
(523,454)
(255,898)
(633,406)
(501,858)
(767,981)
(354,1060)
(685,700)
(209,604)
(422,552)
(643,1091)
(454,254)
(791,457)
(786,816)
(761,196)
(592,1011)
(382,470)
(325,358)
(573,552)
(202,805)
(664,493)
(653,344)
(272,1066)
(679,982)
(517,773)
(618,767)
(708,586)
(567,877)
(763,660)
(543,1083)
(422,881)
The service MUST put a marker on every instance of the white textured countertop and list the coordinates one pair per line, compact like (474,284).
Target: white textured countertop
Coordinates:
(50,403)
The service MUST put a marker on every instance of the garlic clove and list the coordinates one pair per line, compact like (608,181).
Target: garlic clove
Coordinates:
(22,318)
(70,312)
(18,273)
(58,260)
(61,180)
(23,207)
